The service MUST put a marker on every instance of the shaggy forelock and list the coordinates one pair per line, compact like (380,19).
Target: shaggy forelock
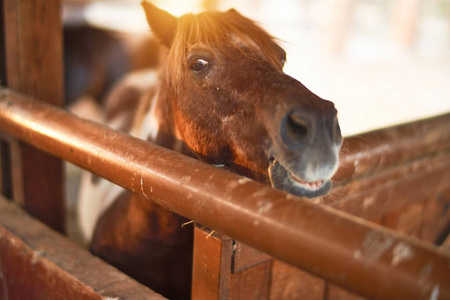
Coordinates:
(212,29)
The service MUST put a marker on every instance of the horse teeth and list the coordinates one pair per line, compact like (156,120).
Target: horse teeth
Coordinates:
(310,185)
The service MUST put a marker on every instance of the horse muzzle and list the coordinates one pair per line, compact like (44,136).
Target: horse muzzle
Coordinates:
(305,152)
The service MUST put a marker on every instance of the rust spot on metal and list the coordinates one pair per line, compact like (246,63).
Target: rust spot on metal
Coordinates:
(264,206)
(401,253)
(185,179)
(375,245)
(244,180)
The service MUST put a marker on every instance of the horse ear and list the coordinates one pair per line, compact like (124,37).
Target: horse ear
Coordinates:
(233,11)
(163,24)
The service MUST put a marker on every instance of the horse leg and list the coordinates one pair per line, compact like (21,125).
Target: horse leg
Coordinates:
(148,243)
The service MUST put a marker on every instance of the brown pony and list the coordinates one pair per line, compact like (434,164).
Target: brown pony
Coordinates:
(223,98)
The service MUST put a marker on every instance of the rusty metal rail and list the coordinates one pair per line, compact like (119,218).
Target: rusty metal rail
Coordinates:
(355,254)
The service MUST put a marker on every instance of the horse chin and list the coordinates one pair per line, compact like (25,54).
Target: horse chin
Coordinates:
(282,179)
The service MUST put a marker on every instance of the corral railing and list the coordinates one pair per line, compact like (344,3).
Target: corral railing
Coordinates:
(360,256)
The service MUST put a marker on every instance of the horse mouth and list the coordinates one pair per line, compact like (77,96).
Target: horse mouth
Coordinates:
(315,185)
(283,179)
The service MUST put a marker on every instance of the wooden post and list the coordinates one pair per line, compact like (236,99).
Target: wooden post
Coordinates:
(32,64)
(227,269)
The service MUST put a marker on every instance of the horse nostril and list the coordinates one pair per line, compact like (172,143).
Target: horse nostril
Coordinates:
(297,127)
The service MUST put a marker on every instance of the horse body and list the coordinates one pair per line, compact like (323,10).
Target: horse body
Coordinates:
(139,237)
(223,98)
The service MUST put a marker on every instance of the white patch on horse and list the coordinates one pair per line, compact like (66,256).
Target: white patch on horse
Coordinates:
(143,80)
(150,124)
(227,119)
(93,200)
(139,82)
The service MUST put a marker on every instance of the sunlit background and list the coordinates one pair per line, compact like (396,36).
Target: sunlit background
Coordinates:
(382,62)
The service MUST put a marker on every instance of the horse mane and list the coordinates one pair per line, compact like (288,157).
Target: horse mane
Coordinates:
(212,29)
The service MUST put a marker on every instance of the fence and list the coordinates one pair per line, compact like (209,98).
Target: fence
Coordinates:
(295,230)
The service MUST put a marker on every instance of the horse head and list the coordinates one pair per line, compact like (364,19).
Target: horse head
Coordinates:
(231,103)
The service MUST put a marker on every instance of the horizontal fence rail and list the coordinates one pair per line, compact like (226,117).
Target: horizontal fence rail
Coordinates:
(365,258)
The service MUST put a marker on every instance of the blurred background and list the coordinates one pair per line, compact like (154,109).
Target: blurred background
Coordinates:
(382,62)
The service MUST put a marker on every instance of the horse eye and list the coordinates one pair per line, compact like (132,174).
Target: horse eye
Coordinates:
(199,65)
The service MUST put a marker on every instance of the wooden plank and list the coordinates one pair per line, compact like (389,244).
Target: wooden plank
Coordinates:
(33,56)
(289,283)
(2,47)
(211,265)
(16,172)
(212,269)
(252,282)
(5,186)
(12,170)
(245,257)
(33,34)
(38,263)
